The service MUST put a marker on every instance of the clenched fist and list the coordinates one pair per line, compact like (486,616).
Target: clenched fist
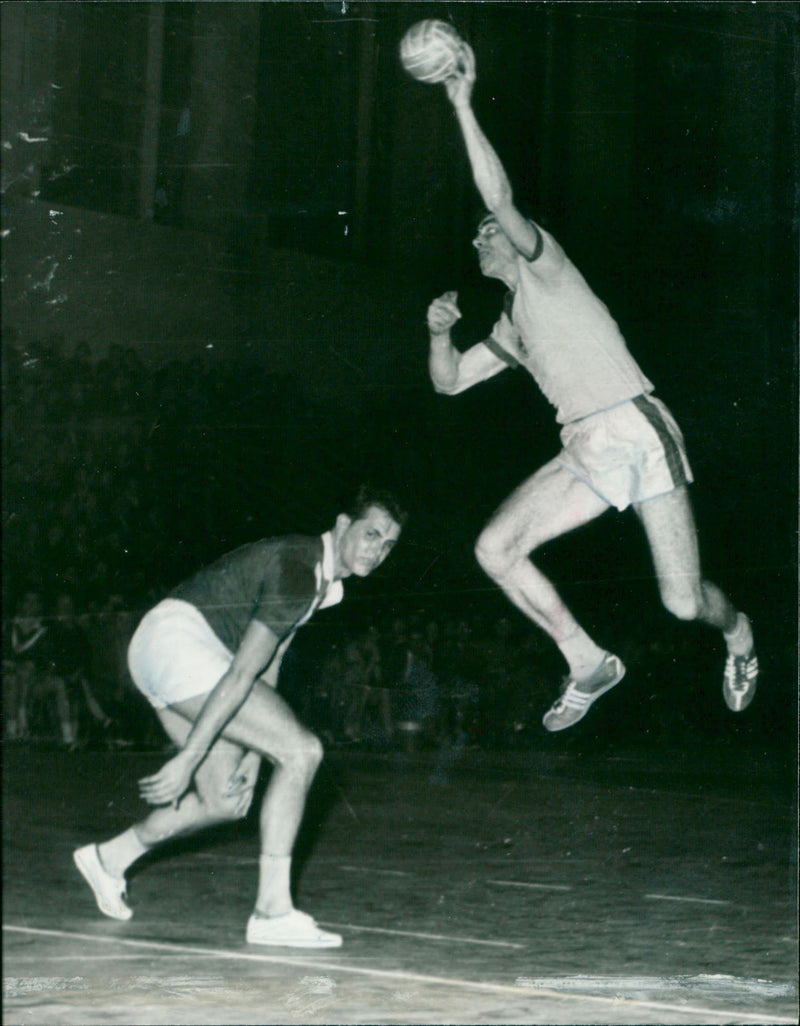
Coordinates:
(443,313)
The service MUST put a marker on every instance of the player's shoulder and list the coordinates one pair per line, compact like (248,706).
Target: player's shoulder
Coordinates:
(295,557)
(268,557)
(547,257)
(297,546)
(284,546)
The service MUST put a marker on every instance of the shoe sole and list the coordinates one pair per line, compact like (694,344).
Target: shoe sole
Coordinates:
(312,937)
(594,696)
(740,704)
(83,869)
(295,943)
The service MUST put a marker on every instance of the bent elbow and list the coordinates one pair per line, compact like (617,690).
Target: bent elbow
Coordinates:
(445,387)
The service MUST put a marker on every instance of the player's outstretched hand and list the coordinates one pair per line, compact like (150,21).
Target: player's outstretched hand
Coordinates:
(242,782)
(443,313)
(459,86)
(171,782)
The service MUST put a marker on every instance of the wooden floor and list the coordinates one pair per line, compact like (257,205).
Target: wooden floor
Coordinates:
(553,885)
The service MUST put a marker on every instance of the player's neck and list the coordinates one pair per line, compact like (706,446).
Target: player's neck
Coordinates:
(509,275)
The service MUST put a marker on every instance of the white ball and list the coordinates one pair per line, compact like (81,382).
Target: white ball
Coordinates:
(430,49)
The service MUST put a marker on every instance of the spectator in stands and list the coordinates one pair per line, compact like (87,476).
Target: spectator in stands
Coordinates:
(42,696)
(419,701)
(68,658)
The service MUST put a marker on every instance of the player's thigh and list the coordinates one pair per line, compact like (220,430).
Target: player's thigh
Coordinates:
(551,502)
(264,723)
(669,524)
(212,775)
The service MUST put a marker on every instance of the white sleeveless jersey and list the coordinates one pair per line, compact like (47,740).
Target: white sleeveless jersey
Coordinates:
(559,330)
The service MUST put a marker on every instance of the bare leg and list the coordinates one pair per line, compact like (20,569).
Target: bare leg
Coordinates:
(202,807)
(547,505)
(669,524)
(56,686)
(264,724)
(206,805)
(27,678)
(11,689)
(92,704)
(671,531)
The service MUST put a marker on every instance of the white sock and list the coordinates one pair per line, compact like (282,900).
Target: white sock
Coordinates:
(740,639)
(119,854)
(274,885)
(581,653)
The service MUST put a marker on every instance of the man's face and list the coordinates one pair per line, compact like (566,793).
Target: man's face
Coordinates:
(495,251)
(365,543)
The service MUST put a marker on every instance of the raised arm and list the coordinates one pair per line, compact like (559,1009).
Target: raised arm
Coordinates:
(488,173)
(172,780)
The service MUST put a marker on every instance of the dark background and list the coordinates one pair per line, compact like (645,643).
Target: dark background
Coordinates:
(222,225)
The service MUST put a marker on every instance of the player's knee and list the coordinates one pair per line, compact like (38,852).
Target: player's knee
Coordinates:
(681,602)
(221,807)
(303,755)
(494,558)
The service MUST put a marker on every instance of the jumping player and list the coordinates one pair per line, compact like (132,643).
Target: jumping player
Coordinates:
(621,446)
(207,658)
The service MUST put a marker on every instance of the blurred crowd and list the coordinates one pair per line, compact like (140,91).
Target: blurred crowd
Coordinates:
(419,682)
(105,462)
(65,677)
(409,684)
(426,681)
(99,461)
(102,459)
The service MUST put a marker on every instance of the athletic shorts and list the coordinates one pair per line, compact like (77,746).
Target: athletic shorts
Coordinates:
(174,654)
(630,453)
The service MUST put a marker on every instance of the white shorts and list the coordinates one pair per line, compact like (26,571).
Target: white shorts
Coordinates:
(174,654)
(630,453)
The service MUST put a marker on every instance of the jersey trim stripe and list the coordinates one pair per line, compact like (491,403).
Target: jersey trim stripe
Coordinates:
(493,345)
(539,242)
(671,448)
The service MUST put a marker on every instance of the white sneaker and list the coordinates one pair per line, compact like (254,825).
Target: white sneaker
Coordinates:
(293,930)
(109,891)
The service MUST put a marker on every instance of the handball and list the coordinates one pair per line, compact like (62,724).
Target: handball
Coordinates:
(430,50)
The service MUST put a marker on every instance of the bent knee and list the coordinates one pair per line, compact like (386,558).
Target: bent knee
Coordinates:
(223,808)
(494,555)
(685,604)
(303,753)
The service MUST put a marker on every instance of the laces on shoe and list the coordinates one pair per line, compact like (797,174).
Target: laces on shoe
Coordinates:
(740,671)
(740,680)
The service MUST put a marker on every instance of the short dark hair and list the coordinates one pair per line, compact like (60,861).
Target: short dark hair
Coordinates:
(368,495)
(484,215)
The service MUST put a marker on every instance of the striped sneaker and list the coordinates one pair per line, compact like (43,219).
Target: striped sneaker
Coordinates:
(577,695)
(740,680)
